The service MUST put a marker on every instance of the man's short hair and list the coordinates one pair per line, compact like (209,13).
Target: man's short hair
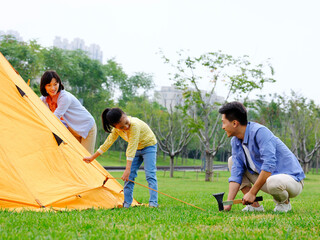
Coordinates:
(235,111)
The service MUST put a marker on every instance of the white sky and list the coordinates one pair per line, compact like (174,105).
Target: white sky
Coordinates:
(133,31)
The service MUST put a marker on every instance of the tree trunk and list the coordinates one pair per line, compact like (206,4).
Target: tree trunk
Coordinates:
(171,165)
(120,155)
(306,167)
(209,167)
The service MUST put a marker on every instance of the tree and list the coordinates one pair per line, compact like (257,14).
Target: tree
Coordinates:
(303,122)
(270,114)
(236,76)
(25,57)
(129,86)
(173,136)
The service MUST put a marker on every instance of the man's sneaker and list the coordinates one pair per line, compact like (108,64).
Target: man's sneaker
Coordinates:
(249,208)
(282,207)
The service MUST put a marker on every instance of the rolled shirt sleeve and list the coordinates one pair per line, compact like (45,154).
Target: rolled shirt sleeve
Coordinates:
(109,141)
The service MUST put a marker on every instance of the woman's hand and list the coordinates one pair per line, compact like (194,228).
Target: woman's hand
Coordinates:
(125,175)
(88,159)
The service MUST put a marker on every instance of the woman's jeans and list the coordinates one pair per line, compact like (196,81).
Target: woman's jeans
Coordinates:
(148,155)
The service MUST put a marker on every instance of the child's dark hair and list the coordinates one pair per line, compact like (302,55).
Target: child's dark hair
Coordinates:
(110,117)
(235,111)
(46,79)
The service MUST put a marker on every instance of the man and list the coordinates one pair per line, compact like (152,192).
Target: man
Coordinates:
(261,159)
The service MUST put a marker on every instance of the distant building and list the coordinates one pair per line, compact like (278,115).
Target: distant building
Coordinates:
(93,50)
(12,33)
(170,97)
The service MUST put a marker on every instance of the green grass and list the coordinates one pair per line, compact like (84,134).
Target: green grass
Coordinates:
(115,158)
(173,219)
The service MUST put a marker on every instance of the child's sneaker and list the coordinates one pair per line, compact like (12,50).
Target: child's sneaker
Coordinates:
(249,208)
(153,205)
(126,205)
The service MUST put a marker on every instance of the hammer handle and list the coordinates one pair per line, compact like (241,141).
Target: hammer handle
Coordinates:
(260,198)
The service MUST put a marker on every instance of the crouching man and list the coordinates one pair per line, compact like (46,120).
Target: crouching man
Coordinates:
(261,159)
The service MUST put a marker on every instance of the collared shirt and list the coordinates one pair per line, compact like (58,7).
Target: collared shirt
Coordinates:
(139,135)
(73,113)
(53,102)
(267,152)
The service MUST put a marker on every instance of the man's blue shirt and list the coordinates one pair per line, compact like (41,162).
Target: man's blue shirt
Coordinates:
(268,153)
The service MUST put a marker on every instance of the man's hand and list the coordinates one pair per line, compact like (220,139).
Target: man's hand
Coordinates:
(248,198)
(233,189)
(227,208)
(125,175)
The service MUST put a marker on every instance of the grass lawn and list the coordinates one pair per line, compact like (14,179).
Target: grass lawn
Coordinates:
(115,158)
(173,219)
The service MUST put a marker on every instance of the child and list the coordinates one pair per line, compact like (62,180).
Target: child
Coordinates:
(142,146)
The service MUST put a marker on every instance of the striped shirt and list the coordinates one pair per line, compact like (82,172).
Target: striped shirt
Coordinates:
(139,135)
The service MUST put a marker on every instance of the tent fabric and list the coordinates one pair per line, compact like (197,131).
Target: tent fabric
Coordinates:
(41,164)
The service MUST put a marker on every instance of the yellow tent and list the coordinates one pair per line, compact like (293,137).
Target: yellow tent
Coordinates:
(41,162)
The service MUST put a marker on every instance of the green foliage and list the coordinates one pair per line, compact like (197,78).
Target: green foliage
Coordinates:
(270,114)
(25,58)
(173,219)
(129,88)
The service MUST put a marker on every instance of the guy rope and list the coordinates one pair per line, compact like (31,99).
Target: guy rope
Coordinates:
(107,178)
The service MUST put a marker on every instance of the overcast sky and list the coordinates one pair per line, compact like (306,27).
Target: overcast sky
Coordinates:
(133,31)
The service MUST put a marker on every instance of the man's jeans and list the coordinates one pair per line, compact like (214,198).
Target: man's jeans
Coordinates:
(148,155)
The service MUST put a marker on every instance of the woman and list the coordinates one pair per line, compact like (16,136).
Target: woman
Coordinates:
(142,147)
(68,109)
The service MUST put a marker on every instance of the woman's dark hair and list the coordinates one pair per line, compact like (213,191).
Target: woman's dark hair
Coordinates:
(46,79)
(235,111)
(110,117)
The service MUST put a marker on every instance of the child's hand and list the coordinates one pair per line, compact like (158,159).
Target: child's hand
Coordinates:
(125,175)
(88,159)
